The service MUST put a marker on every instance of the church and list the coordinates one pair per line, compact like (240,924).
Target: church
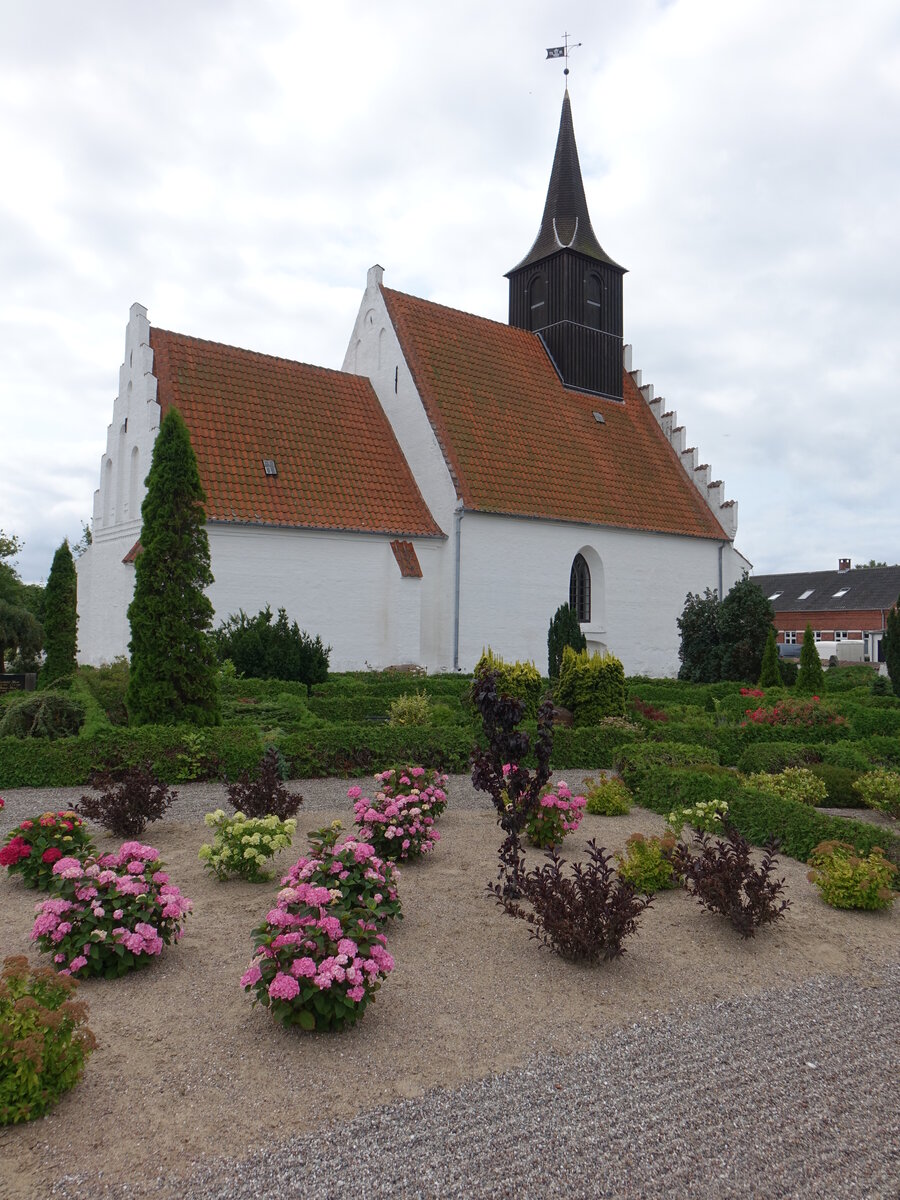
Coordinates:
(446,490)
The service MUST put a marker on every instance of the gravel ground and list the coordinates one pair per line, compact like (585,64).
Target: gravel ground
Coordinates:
(698,1065)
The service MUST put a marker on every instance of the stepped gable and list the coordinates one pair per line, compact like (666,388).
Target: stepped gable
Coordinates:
(337,462)
(518,442)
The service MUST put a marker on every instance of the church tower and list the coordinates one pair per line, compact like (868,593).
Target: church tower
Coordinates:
(567,289)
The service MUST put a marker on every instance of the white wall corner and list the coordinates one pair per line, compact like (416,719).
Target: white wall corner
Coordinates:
(677,439)
(728,517)
(667,420)
(689,460)
(715,495)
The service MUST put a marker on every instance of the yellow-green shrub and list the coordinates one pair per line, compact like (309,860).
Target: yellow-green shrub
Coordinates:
(609,797)
(591,685)
(846,879)
(243,845)
(880,789)
(793,783)
(647,862)
(412,709)
(519,679)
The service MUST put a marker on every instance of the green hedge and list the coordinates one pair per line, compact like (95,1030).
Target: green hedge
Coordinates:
(178,754)
(773,757)
(592,686)
(364,749)
(839,782)
(392,684)
(758,816)
(634,761)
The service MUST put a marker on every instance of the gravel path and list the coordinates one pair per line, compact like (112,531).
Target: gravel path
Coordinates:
(792,1094)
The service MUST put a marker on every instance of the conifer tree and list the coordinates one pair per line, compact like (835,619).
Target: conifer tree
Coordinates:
(173,665)
(770,676)
(564,631)
(60,618)
(892,646)
(811,678)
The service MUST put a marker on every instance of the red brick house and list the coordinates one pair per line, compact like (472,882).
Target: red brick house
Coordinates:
(846,608)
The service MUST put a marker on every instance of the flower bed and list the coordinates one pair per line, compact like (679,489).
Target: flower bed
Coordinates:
(111,914)
(359,883)
(32,849)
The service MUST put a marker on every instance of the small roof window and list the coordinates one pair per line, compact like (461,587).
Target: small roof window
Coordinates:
(842,592)
(805,595)
(775,595)
(269,466)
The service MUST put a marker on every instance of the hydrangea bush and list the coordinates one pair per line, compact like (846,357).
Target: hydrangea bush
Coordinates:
(427,788)
(32,849)
(243,845)
(396,826)
(706,816)
(111,914)
(312,969)
(359,883)
(558,812)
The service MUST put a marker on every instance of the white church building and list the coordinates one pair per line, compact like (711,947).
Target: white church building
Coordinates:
(447,490)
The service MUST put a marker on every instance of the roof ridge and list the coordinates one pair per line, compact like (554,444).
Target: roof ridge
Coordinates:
(275,358)
(461,312)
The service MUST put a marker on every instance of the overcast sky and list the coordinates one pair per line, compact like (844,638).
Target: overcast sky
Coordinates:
(237,166)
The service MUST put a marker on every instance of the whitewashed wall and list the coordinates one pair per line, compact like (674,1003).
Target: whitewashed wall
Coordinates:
(515,574)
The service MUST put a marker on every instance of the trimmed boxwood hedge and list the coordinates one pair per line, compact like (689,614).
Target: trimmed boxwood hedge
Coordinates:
(773,757)
(758,816)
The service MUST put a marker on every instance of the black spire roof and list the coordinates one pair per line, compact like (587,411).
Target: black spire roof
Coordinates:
(566,223)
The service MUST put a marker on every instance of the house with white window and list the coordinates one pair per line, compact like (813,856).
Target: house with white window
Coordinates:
(847,609)
(447,489)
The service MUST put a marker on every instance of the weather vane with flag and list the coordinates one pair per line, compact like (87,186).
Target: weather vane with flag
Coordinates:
(562,51)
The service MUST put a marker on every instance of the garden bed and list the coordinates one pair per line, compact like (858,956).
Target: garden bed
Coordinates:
(188,1070)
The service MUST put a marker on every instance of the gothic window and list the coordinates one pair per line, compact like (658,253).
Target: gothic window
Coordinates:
(537,296)
(593,301)
(580,589)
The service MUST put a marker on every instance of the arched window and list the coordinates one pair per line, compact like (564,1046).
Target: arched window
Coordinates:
(580,589)
(537,296)
(593,301)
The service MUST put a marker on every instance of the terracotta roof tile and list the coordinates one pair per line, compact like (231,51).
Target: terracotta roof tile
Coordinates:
(338,463)
(132,554)
(407,559)
(516,441)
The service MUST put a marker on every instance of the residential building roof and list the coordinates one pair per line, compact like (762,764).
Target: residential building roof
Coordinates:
(518,442)
(283,443)
(832,591)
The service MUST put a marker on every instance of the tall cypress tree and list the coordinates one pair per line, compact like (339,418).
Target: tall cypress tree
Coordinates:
(60,617)
(811,677)
(564,631)
(173,664)
(770,676)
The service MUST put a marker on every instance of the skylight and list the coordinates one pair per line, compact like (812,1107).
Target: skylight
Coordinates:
(805,595)
(775,595)
(269,466)
(842,592)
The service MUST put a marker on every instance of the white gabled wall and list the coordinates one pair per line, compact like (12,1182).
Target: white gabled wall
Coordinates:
(375,351)
(105,583)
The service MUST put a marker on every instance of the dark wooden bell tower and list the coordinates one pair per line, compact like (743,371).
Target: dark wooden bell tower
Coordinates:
(567,289)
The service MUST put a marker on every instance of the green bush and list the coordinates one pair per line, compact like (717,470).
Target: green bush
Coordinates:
(364,749)
(881,751)
(810,677)
(846,879)
(769,675)
(647,862)
(663,789)
(793,783)
(633,761)
(775,756)
(243,845)
(607,797)
(589,747)
(839,788)
(108,685)
(44,1039)
(414,709)
(880,789)
(519,679)
(263,649)
(47,715)
(850,755)
(846,678)
(564,630)
(592,686)
(870,721)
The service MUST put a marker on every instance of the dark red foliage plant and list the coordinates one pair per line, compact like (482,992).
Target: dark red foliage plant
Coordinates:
(125,806)
(585,914)
(723,878)
(498,770)
(265,795)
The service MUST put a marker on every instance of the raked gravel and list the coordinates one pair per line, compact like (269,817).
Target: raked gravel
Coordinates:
(790,1094)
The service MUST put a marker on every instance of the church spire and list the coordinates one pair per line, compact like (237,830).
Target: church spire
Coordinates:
(566,223)
(567,289)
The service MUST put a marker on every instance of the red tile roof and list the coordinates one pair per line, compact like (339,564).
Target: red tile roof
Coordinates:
(516,441)
(132,554)
(338,463)
(407,559)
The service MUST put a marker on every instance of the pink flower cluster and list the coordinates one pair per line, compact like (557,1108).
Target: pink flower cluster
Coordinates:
(36,844)
(112,913)
(400,826)
(558,813)
(315,964)
(356,882)
(414,782)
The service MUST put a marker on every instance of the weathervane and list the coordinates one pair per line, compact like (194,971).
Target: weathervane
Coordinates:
(563,51)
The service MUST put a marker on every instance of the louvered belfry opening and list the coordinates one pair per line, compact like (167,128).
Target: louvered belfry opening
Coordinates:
(567,289)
